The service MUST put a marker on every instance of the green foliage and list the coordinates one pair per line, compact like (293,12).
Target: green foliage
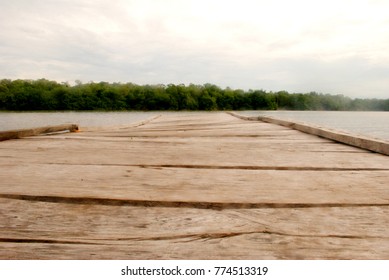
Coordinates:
(49,95)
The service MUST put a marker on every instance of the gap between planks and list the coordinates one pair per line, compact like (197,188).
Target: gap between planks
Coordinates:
(180,204)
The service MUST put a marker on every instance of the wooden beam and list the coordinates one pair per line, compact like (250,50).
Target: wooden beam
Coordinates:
(374,145)
(16,134)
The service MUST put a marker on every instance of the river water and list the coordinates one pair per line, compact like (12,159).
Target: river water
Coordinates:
(371,124)
(21,120)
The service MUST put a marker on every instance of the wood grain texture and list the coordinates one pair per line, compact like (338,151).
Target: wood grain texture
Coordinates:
(16,134)
(192,186)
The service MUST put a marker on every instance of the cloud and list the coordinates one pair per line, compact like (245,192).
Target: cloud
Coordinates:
(331,46)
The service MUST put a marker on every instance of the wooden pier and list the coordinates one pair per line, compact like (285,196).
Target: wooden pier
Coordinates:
(192,186)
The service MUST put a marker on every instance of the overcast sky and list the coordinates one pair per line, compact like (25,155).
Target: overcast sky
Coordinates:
(328,46)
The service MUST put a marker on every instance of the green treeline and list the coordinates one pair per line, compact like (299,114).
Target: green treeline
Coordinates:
(28,95)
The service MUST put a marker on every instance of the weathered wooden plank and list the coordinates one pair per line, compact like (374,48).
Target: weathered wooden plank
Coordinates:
(375,145)
(188,150)
(101,223)
(15,134)
(337,232)
(246,247)
(229,186)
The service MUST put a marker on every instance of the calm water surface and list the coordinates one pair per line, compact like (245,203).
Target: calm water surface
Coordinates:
(372,124)
(20,120)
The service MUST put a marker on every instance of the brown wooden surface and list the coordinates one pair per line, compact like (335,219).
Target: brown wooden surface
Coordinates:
(192,186)
(15,134)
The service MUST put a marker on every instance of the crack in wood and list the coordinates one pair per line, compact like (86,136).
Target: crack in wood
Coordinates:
(45,241)
(191,237)
(227,167)
(221,235)
(291,168)
(180,204)
(180,238)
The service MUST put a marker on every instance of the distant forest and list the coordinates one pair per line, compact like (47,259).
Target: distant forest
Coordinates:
(42,94)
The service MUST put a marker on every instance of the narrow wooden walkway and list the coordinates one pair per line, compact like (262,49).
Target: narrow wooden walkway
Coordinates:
(192,186)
